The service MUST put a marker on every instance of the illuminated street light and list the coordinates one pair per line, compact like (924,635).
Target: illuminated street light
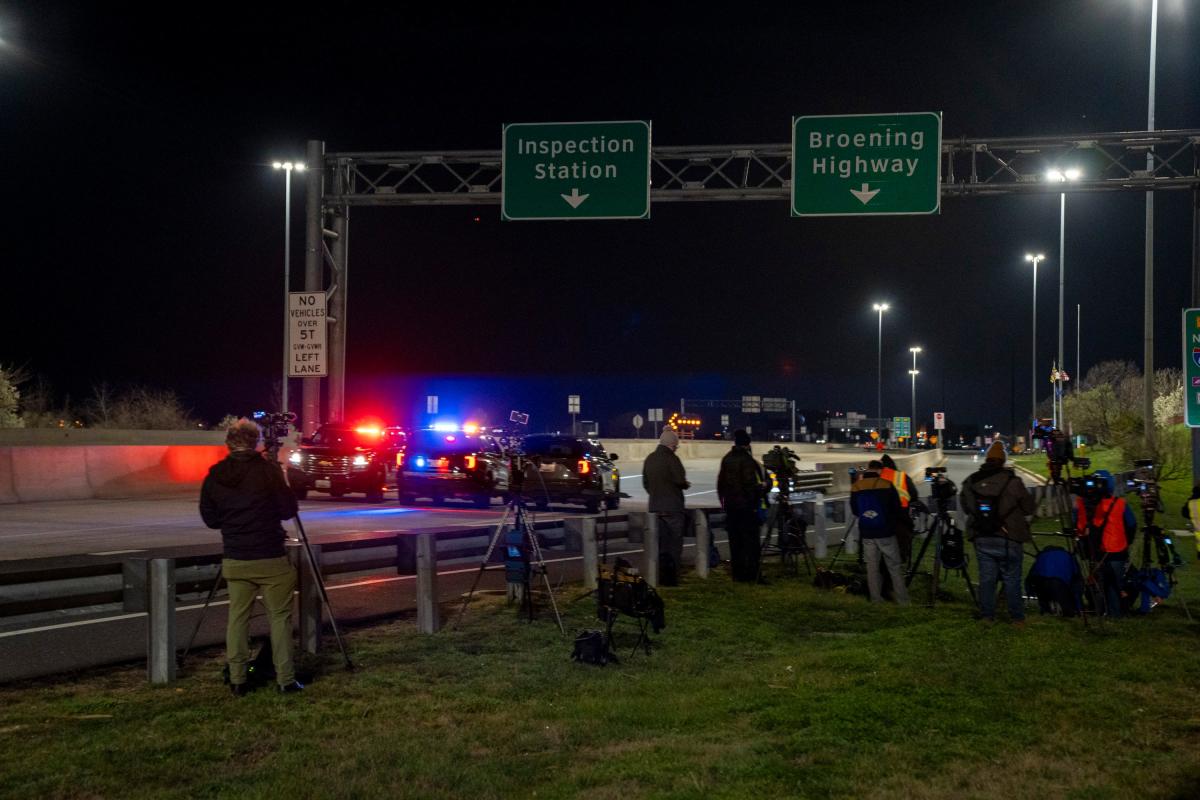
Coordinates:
(913,372)
(1033,387)
(1061,176)
(287,167)
(880,307)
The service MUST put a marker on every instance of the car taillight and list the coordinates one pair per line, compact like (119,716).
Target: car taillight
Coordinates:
(443,464)
(399,459)
(469,462)
(584,467)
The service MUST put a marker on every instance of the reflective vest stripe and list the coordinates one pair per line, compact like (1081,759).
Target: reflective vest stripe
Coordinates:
(897,479)
(1194,515)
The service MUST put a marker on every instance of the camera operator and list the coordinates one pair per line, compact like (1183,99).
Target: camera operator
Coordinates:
(1107,525)
(740,487)
(998,503)
(246,497)
(905,527)
(876,503)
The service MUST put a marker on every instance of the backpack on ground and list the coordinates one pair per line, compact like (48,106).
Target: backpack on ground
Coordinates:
(592,648)
(1149,587)
(1055,580)
(827,578)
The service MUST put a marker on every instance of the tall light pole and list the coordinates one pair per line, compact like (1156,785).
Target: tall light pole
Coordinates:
(1061,176)
(913,372)
(287,167)
(880,307)
(1148,300)
(1033,386)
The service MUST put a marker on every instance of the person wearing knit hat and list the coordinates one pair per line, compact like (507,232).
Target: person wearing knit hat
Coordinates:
(741,488)
(664,480)
(998,504)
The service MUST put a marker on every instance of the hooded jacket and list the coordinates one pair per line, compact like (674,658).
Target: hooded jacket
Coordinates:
(1011,500)
(245,496)
(740,483)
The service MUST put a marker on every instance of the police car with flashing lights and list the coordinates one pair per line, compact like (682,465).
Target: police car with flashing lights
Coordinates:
(453,463)
(340,459)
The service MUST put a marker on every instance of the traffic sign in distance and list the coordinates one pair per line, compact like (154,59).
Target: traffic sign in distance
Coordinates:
(939,420)
(638,421)
(576,170)
(864,164)
(1191,366)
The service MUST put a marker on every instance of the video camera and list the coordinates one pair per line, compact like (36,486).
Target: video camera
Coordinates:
(941,488)
(1089,487)
(783,462)
(276,426)
(1144,481)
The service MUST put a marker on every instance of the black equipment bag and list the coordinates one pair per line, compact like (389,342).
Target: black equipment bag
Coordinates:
(827,579)
(953,555)
(592,648)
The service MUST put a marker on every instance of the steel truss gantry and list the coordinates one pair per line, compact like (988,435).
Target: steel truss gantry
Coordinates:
(969,167)
(1115,162)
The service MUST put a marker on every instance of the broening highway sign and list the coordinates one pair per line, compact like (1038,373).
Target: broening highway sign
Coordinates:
(860,164)
(576,170)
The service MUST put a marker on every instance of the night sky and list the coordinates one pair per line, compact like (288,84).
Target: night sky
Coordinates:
(144,225)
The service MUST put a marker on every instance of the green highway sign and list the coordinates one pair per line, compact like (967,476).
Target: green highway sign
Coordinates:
(859,164)
(901,427)
(576,170)
(1191,366)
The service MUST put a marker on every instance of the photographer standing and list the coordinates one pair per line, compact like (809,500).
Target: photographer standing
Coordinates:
(246,497)
(1107,525)
(664,479)
(876,503)
(740,487)
(998,503)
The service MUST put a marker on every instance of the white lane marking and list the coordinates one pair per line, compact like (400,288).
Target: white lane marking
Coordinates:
(694,494)
(632,476)
(368,582)
(117,552)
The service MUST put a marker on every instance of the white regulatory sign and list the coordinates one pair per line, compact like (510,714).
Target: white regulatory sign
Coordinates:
(637,421)
(307,348)
(939,420)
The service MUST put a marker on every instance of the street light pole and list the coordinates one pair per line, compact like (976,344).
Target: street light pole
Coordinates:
(1033,374)
(913,372)
(880,307)
(287,167)
(1148,326)
(1061,176)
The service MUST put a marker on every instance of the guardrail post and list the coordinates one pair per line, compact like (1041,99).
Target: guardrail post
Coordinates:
(650,550)
(160,647)
(851,541)
(703,541)
(591,555)
(636,527)
(820,528)
(427,607)
(573,533)
(310,597)
(135,574)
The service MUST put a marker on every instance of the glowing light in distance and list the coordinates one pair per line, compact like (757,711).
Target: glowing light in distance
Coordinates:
(470,428)
(360,461)
(294,458)
(445,427)
(419,461)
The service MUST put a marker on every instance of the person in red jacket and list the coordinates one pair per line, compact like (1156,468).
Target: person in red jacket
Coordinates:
(1107,525)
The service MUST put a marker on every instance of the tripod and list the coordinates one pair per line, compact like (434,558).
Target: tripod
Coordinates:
(1060,497)
(1168,559)
(789,533)
(941,530)
(314,571)
(522,558)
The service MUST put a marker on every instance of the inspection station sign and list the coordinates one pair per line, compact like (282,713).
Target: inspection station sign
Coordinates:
(1191,366)
(860,164)
(308,353)
(576,170)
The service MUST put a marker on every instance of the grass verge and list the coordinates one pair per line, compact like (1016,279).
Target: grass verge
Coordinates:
(752,691)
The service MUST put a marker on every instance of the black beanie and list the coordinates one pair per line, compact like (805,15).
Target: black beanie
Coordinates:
(741,438)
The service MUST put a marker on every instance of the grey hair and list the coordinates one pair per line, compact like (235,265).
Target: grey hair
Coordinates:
(242,435)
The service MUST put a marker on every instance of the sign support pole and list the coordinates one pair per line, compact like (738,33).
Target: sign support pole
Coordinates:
(1195,304)
(313,277)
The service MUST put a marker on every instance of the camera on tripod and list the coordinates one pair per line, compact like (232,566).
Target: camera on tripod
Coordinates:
(1056,444)
(941,488)
(275,425)
(783,463)
(1088,486)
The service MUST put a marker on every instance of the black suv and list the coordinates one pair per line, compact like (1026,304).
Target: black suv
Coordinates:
(341,458)
(441,464)
(564,469)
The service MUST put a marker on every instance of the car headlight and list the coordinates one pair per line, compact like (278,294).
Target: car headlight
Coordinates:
(360,461)
(295,458)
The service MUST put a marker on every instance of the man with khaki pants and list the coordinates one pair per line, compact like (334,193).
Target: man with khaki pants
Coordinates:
(246,497)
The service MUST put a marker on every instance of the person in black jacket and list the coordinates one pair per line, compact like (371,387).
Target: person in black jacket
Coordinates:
(741,489)
(246,497)
(664,480)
